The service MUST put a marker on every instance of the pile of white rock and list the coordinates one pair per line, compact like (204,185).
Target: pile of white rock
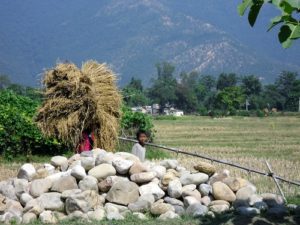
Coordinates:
(99,185)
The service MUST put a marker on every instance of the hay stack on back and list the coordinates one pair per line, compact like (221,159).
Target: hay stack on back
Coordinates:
(81,100)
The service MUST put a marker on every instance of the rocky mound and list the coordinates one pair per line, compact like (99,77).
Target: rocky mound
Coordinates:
(100,185)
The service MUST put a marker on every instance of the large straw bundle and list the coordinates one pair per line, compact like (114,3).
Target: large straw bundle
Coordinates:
(81,100)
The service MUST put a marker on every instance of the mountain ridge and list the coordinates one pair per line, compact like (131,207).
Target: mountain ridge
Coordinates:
(132,36)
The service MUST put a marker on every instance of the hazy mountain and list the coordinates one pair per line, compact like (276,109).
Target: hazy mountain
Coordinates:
(133,35)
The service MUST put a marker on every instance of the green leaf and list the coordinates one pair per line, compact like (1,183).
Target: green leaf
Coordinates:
(254,11)
(286,7)
(284,36)
(276,2)
(243,6)
(294,3)
(276,20)
(295,32)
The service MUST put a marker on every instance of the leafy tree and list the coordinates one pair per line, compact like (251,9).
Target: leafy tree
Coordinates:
(206,92)
(133,93)
(227,80)
(134,97)
(287,86)
(165,70)
(135,84)
(272,97)
(164,87)
(185,92)
(230,98)
(289,18)
(292,102)
(208,81)
(285,83)
(251,85)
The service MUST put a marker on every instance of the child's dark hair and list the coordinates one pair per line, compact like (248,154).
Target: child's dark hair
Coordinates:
(139,133)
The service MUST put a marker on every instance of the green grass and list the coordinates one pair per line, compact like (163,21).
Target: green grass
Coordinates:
(229,219)
(151,152)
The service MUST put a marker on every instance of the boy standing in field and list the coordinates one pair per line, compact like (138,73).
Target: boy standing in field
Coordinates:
(139,148)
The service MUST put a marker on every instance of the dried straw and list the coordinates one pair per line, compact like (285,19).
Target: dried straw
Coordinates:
(79,100)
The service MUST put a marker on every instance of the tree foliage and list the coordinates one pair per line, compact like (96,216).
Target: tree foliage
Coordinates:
(230,98)
(227,93)
(133,121)
(227,80)
(251,85)
(19,135)
(133,93)
(163,90)
(288,19)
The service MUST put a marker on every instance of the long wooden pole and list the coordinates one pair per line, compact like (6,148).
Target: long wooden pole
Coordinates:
(176,150)
(275,180)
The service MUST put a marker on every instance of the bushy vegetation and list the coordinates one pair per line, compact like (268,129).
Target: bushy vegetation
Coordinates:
(19,135)
(226,94)
(133,121)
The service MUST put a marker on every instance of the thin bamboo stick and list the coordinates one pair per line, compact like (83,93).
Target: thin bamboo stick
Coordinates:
(275,180)
(176,150)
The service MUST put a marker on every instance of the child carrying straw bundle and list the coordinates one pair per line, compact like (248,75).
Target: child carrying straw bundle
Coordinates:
(81,100)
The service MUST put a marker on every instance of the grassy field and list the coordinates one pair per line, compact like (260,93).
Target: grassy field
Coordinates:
(245,140)
(225,219)
(248,141)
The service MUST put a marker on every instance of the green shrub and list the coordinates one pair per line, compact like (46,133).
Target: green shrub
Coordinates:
(203,111)
(260,113)
(156,153)
(19,135)
(243,113)
(165,117)
(133,121)
(217,113)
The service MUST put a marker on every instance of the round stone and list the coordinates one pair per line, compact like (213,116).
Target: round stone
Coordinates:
(205,189)
(222,192)
(27,171)
(196,178)
(64,183)
(78,172)
(144,177)
(40,186)
(175,189)
(235,183)
(123,192)
(87,163)
(138,167)
(88,183)
(205,167)
(102,171)
(159,170)
(59,161)
(122,165)
(196,210)
(159,208)
(153,189)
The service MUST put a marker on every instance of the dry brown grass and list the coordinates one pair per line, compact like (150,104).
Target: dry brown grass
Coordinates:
(78,100)
(246,141)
